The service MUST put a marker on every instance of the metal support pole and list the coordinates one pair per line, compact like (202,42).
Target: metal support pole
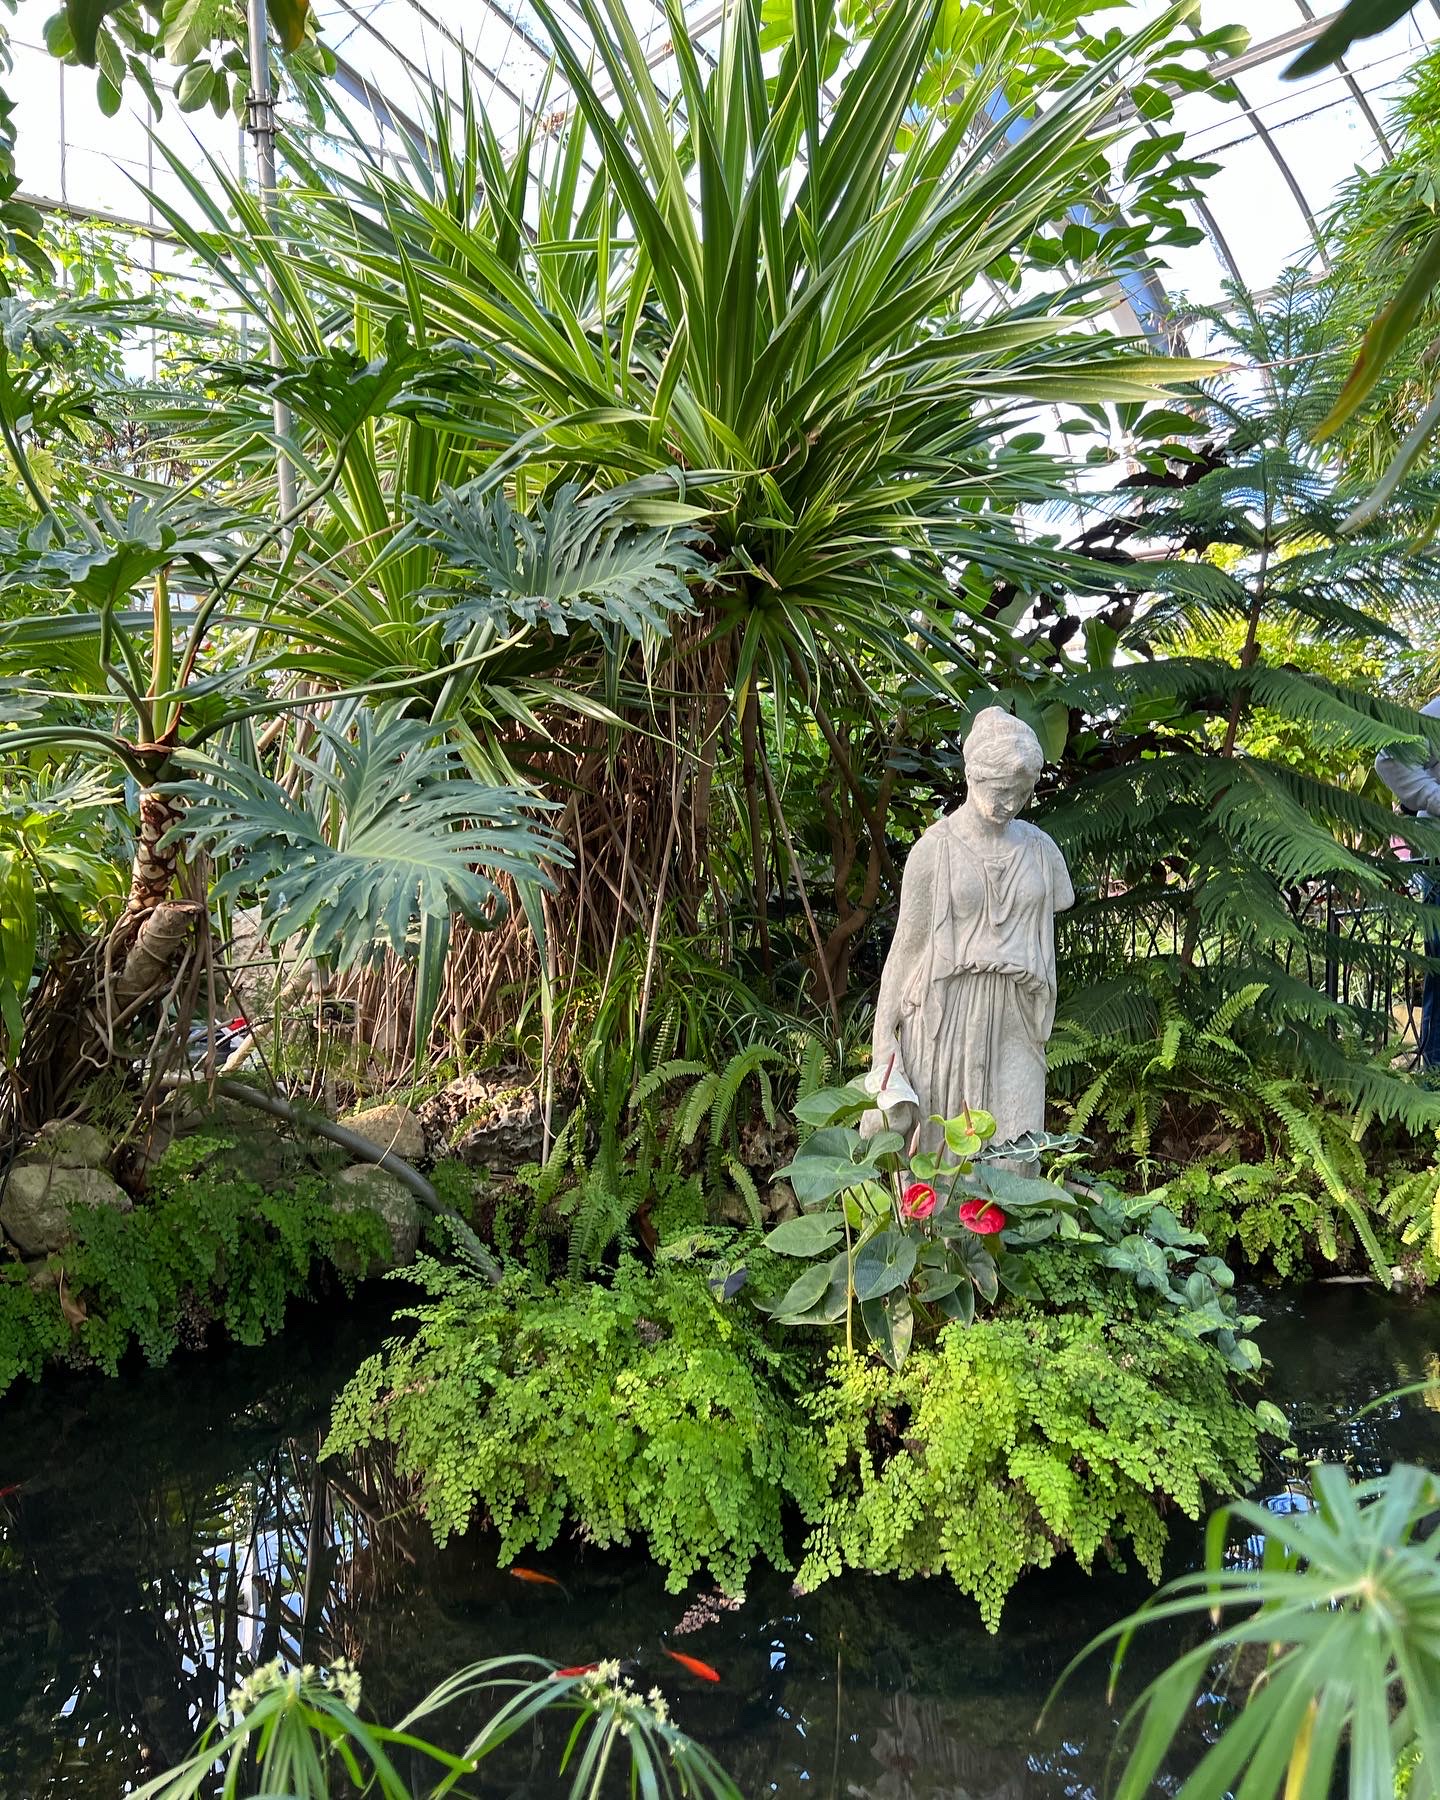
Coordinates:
(260,117)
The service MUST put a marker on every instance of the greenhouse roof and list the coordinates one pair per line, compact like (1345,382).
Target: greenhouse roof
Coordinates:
(1282,146)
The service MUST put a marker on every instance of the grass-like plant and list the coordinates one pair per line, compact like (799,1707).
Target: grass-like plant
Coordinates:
(291,1732)
(1334,1661)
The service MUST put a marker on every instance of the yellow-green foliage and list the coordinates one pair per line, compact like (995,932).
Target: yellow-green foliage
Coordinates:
(1284,1219)
(1018,1439)
(649,1410)
(639,1409)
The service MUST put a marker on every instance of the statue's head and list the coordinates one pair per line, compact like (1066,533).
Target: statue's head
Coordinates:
(1003,760)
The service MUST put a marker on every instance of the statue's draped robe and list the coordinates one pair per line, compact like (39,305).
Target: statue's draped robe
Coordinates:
(977,1010)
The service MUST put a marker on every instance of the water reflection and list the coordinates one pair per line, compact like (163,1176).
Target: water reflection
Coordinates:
(173,1528)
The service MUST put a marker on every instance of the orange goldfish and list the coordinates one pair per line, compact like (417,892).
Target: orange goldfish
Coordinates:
(694,1665)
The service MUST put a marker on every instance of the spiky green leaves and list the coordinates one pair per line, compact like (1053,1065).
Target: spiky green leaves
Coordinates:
(1339,1620)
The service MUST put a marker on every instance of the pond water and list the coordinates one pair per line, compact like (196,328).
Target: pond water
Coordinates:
(167,1529)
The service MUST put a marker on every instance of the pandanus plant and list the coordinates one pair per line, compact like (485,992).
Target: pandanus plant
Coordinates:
(780,293)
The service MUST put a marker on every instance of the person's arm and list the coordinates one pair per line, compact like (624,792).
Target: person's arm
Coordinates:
(1415,785)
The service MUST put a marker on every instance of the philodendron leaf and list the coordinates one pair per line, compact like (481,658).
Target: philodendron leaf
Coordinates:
(1269,1418)
(890,1322)
(811,1235)
(1137,1256)
(884,1264)
(1165,1228)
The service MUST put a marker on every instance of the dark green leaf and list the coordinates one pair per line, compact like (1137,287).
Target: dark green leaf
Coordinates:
(883,1264)
(805,1291)
(816,1179)
(84,18)
(890,1322)
(1359,19)
(828,1105)
(811,1235)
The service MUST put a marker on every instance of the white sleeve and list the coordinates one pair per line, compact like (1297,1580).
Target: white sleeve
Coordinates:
(1414,785)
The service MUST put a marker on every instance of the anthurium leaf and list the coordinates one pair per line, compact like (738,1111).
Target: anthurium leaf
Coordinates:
(977,1262)
(1016,1192)
(816,1179)
(935,1284)
(1033,1231)
(885,1263)
(884,1143)
(803,1293)
(1016,1278)
(1219,1272)
(828,1105)
(890,1322)
(810,1235)
(960,1304)
(833,1140)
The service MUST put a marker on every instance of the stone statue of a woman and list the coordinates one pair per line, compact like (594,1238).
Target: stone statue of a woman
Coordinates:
(967,997)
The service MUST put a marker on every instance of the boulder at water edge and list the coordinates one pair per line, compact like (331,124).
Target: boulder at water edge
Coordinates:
(35,1212)
(363,1185)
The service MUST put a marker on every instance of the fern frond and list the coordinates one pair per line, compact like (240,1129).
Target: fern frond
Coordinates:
(744,1183)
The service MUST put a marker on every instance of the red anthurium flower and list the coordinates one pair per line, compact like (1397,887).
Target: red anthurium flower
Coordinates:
(983,1216)
(918,1200)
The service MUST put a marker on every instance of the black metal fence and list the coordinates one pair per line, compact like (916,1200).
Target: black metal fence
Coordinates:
(1362,956)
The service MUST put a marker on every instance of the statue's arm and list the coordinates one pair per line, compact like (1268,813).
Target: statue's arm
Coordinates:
(912,933)
(1063,886)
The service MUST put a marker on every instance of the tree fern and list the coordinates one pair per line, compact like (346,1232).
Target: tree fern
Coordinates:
(1216,795)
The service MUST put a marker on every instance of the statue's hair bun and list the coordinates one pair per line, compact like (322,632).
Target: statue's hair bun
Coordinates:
(1000,744)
